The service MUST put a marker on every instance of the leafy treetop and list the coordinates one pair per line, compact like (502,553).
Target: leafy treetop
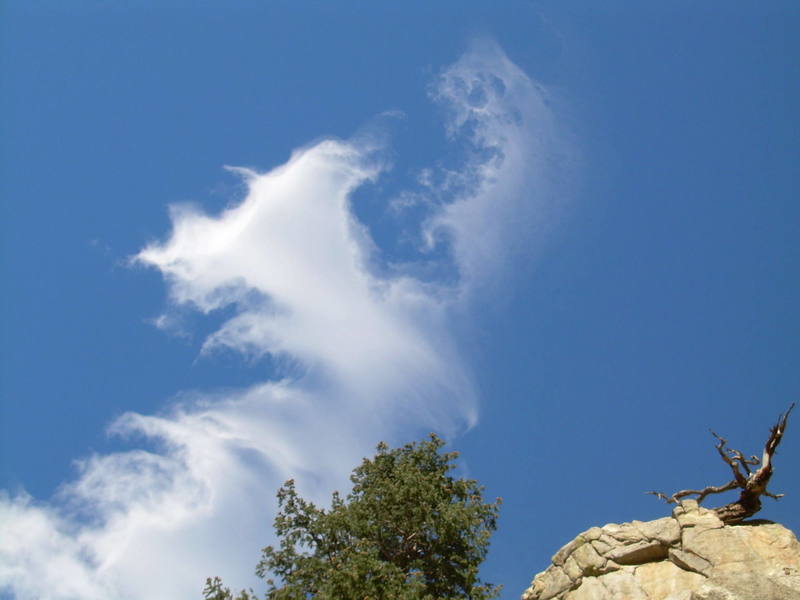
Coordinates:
(408,530)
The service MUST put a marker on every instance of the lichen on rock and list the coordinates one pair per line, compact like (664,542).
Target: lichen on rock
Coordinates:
(691,555)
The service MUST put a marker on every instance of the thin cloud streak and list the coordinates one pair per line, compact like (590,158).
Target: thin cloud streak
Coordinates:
(376,353)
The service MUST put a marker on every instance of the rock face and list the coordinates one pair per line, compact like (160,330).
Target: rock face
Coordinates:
(691,555)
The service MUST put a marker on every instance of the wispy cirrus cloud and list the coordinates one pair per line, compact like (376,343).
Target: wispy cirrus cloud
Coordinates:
(373,348)
(517,180)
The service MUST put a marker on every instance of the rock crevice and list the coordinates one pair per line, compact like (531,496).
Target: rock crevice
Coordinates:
(691,555)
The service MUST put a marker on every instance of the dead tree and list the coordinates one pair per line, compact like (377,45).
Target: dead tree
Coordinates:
(753,485)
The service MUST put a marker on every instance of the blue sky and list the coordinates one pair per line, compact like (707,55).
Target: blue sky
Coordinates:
(246,241)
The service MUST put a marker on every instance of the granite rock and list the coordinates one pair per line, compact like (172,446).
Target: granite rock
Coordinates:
(691,555)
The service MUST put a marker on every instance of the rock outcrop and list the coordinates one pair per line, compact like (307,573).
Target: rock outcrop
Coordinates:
(691,555)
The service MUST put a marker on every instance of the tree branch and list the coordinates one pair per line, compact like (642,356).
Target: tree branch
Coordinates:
(753,485)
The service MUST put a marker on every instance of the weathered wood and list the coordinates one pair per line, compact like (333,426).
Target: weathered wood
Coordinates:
(752,483)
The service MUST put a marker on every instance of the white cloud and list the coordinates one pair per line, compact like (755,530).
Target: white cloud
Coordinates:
(376,355)
(39,553)
(517,178)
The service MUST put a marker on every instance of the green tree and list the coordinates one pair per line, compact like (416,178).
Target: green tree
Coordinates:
(408,530)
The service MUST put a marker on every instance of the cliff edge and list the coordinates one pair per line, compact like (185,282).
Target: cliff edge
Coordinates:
(691,555)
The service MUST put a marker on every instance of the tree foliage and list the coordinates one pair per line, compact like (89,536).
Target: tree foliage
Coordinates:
(408,530)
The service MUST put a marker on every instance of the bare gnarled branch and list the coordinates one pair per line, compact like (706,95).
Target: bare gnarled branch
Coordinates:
(753,485)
